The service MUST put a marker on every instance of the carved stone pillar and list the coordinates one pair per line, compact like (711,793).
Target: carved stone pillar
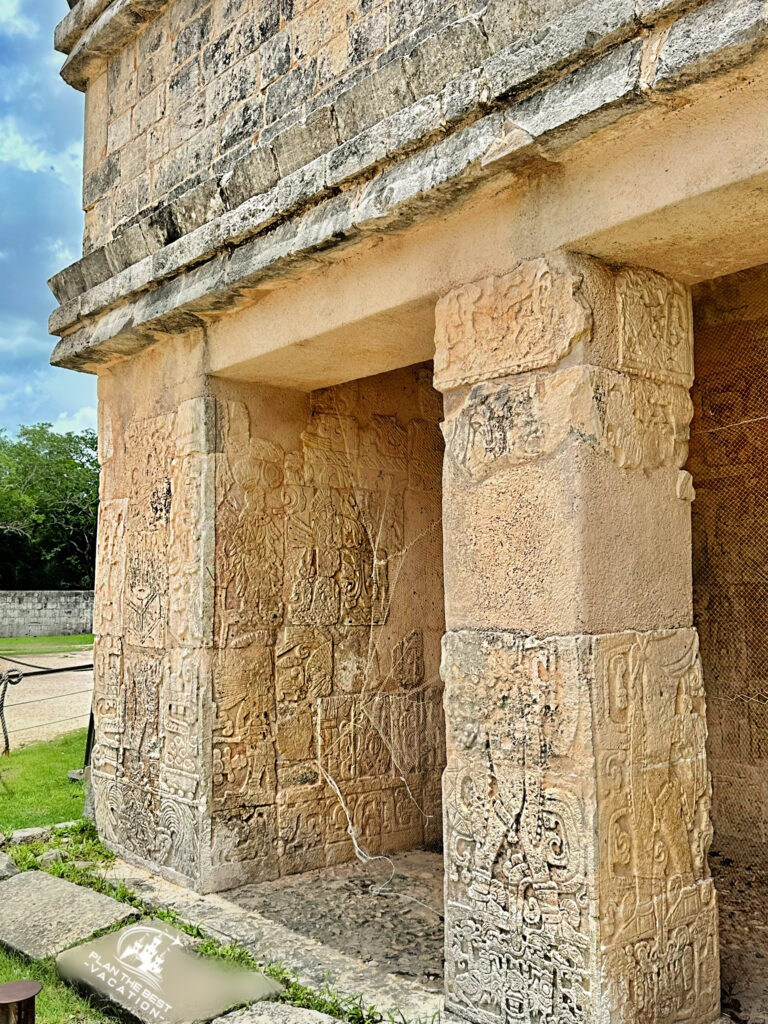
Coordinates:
(153,614)
(576,797)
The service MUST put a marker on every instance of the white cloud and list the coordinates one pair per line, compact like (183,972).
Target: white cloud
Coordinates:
(15,82)
(61,253)
(33,395)
(82,419)
(19,335)
(13,22)
(23,151)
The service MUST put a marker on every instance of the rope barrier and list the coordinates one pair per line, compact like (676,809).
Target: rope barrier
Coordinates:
(53,671)
(26,728)
(11,677)
(53,696)
(15,661)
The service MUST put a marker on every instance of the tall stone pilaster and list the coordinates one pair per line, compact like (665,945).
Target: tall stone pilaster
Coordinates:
(153,614)
(576,797)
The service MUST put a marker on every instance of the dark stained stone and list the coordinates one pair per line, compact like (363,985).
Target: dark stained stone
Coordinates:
(40,915)
(151,972)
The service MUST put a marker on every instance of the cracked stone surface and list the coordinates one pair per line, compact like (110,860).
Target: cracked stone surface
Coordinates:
(395,923)
(316,963)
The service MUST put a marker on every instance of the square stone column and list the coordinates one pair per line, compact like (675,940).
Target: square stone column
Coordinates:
(576,798)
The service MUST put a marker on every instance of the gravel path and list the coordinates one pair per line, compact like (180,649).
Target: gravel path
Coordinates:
(43,707)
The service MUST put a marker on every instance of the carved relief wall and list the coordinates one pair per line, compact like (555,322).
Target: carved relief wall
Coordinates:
(151,657)
(568,857)
(269,616)
(729,463)
(329,587)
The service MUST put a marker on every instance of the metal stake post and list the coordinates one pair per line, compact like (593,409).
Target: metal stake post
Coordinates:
(17,1002)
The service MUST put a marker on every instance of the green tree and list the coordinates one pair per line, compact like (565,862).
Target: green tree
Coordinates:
(49,494)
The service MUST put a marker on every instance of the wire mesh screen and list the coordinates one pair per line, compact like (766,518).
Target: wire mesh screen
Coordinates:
(729,463)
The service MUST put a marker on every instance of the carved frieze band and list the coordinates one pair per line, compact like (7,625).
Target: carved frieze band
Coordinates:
(564,308)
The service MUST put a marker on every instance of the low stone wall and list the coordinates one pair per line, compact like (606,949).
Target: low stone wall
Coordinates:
(45,612)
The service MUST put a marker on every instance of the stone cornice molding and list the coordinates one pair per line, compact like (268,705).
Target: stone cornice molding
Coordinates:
(403,167)
(95,30)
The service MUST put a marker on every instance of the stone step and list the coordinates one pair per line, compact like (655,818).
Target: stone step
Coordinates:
(41,915)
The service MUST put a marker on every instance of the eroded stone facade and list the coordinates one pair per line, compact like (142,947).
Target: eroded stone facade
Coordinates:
(269,618)
(577,794)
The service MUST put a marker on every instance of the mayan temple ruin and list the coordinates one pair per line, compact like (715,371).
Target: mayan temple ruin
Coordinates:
(432,350)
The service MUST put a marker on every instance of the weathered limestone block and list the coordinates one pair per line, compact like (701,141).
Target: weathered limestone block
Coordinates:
(559,307)
(540,465)
(586,372)
(577,820)
(577,795)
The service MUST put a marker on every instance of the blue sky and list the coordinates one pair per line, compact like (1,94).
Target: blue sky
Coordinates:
(40,217)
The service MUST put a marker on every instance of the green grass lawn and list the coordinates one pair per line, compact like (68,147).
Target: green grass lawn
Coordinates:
(15,646)
(34,788)
(56,1004)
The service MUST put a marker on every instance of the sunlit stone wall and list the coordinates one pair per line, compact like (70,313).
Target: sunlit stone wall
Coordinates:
(269,615)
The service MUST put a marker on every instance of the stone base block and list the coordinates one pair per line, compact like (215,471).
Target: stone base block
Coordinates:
(576,804)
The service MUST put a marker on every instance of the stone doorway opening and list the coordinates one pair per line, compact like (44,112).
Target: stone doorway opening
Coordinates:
(329,552)
(729,464)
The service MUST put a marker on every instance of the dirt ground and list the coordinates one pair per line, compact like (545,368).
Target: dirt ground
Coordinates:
(43,707)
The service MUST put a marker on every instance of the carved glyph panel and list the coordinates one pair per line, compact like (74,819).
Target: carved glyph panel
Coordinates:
(506,325)
(658,910)
(638,424)
(576,804)
(559,306)
(655,324)
(154,614)
(518,800)
(110,568)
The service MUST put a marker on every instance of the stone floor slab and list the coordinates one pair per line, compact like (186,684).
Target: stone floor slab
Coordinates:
(149,972)
(41,915)
(316,963)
